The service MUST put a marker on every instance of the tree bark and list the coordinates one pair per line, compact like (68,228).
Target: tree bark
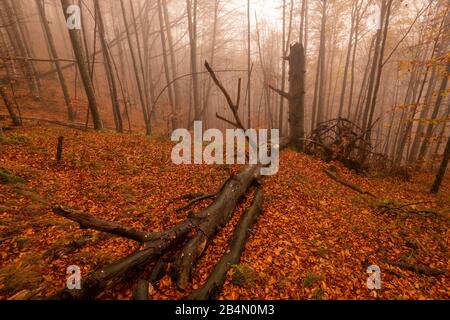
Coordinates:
(109,69)
(442,168)
(18,43)
(170,88)
(216,279)
(55,57)
(437,105)
(136,70)
(216,216)
(84,72)
(9,106)
(192,25)
(321,89)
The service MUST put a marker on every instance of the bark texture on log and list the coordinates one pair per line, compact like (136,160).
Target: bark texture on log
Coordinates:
(417,268)
(128,267)
(158,245)
(87,221)
(215,216)
(241,233)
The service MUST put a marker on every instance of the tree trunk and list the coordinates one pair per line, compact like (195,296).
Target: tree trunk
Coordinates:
(347,61)
(216,216)
(192,25)
(176,89)
(84,72)
(10,107)
(241,233)
(54,55)
(442,169)
(321,93)
(136,70)
(170,88)
(109,70)
(423,114)
(437,105)
(15,37)
(249,87)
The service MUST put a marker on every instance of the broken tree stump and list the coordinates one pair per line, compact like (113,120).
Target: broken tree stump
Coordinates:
(296,95)
(241,233)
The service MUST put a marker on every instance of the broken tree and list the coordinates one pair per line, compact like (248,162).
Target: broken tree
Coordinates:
(241,233)
(205,225)
(296,95)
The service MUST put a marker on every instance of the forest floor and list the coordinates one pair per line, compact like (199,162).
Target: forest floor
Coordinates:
(314,239)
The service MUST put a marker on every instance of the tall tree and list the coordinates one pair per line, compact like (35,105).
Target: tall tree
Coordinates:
(109,69)
(167,72)
(249,71)
(192,26)
(142,99)
(12,26)
(442,168)
(173,63)
(84,72)
(321,75)
(9,106)
(54,55)
(347,59)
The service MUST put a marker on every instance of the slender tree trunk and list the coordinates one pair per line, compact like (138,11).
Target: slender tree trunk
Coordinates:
(441,134)
(109,69)
(170,89)
(442,169)
(16,39)
(192,25)
(437,105)
(10,107)
(372,77)
(176,89)
(54,55)
(283,71)
(321,93)
(84,72)
(423,114)
(409,124)
(347,61)
(25,36)
(379,67)
(136,70)
(249,90)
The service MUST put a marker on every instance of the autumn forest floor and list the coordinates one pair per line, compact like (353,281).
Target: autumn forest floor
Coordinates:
(314,239)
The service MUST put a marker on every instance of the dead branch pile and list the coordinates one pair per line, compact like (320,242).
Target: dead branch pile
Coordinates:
(339,139)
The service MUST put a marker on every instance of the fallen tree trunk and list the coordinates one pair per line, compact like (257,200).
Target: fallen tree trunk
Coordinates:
(215,216)
(141,290)
(217,277)
(87,221)
(333,175)
(417,268)
(208,222)
(129,266)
